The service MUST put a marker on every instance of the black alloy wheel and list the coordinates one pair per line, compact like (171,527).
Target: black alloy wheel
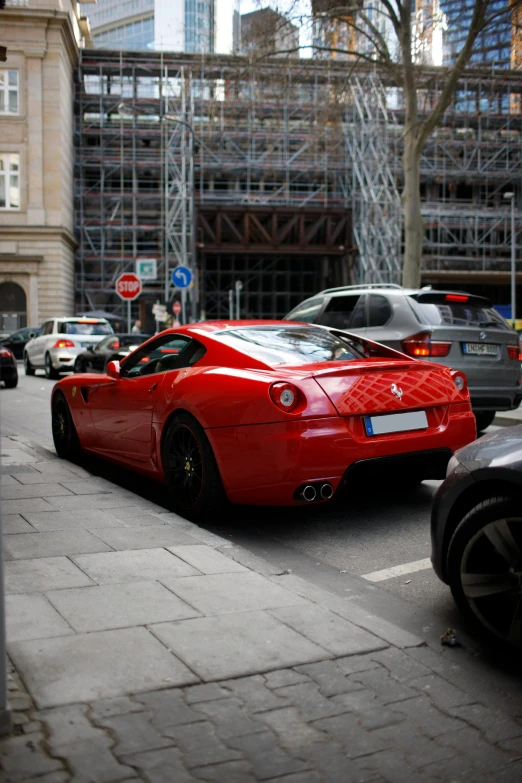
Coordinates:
(485,568)
(191,471)
(79,366)
(65,436)
(484,419)
(28,367)
(50,372)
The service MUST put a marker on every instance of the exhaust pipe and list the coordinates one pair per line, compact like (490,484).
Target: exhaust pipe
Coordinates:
(326,491)
(309,493)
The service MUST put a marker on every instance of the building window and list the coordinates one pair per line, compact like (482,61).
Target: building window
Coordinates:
(9,181)
(9,92)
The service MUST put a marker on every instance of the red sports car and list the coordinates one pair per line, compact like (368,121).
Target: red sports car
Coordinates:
(265,412)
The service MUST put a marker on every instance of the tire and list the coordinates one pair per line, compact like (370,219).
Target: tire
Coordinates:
(65,437)
(28,367)
(191,472)
(11,383)
(484,419)
(50,372)
(79,366)
(484,568)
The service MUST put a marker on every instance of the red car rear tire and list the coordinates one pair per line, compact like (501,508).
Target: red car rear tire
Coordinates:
(191,472)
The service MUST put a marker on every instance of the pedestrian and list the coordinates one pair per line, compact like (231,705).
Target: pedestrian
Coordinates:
(136,329)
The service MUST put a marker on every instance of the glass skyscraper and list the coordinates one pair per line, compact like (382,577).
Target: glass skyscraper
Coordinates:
(174,25)
(493,45)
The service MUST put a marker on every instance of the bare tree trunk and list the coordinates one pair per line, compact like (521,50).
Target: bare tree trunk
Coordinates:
(413,222)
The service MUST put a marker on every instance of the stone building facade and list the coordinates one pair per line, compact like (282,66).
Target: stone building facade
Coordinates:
(37,243)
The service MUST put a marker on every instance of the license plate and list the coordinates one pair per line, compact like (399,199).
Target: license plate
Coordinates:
(480,349)
(395,422)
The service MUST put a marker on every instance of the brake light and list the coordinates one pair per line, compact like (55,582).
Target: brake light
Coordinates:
(421,344)
(514,353)
(285,396)
(457,298)
(88,321)
(116,345)
(6,352)
(64,344)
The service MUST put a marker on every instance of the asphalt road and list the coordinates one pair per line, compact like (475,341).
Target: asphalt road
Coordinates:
(339,547)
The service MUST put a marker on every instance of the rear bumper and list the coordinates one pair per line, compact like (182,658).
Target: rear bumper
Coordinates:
(284,456)
(494,398)
(64,358)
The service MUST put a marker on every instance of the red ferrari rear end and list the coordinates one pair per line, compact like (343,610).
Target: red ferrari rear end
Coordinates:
(353,421)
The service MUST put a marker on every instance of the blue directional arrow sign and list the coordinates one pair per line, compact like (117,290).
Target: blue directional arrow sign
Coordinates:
(181,277)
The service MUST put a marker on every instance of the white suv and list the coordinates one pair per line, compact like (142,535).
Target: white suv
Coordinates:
(59,343)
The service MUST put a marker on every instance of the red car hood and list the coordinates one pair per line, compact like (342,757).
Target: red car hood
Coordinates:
(374,387)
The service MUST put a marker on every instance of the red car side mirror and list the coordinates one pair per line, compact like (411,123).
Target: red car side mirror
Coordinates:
(113,370)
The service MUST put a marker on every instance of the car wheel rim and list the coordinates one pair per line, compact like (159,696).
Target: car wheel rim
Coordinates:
(491,578)
(185,467)
(60,423)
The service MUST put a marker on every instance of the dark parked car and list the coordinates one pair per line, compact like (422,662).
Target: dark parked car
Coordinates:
(454,328)
(114,347)
(476,531)
(8,368)
(17,341)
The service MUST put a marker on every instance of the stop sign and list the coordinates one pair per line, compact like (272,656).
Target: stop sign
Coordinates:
(128,286)
(176,308)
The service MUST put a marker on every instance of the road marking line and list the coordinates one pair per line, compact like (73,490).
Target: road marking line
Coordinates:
(400,570)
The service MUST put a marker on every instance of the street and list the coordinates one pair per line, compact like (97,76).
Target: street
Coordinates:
(368,545)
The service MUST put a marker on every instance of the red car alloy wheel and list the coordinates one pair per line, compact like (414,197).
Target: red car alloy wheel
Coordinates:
(185,466)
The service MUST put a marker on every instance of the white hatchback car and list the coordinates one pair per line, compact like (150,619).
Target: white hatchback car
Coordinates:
(59,343)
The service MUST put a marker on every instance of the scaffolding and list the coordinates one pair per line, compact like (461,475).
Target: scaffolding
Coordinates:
(283,174)
(376,204)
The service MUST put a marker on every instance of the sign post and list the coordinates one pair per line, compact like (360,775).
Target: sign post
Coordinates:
(182,278)
(128,288)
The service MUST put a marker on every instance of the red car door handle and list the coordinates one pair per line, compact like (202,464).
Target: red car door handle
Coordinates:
(154,386)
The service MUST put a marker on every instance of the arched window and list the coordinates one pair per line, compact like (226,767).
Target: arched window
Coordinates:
(13,307)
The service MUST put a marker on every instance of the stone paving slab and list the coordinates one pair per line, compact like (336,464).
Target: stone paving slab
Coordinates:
(126,538)
(104,607)
(46,573)
(237,644)
(227,593)
(15,523)
(21,492)
(52,519)
(334,633)
(134,565)
(87,667)
(25,505)
(62,542)
(83,503)
(33,617)
(206,560)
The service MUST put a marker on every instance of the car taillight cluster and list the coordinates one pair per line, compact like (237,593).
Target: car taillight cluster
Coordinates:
(421,344)
(6,352)
(515,353)
(460,380)
(285,396)
(64,344)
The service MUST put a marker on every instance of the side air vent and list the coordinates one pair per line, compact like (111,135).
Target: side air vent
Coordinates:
(84,391)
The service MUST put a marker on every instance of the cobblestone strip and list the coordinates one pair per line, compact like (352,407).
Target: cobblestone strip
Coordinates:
(382,717)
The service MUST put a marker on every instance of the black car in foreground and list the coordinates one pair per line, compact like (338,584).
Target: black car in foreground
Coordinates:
(17,341)
(8,368)
(476,532)
(112,348)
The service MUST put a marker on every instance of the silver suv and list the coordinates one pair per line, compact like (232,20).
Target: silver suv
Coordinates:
(447,327)
(60,341)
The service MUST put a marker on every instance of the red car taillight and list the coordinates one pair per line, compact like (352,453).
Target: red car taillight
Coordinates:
(514,353)
(63,344)
(285,396)
(6,352)
(421,344)
(460,381)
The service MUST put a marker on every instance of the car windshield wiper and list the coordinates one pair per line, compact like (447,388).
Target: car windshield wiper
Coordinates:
(485,324)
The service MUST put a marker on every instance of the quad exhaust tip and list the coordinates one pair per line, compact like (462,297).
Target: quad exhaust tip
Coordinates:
(309,493)
(326,491)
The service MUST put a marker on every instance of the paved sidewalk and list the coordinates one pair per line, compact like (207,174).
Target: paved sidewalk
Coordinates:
(143,647)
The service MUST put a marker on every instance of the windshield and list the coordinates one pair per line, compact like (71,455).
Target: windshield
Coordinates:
(457,314)
(85,328)
(274,345)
